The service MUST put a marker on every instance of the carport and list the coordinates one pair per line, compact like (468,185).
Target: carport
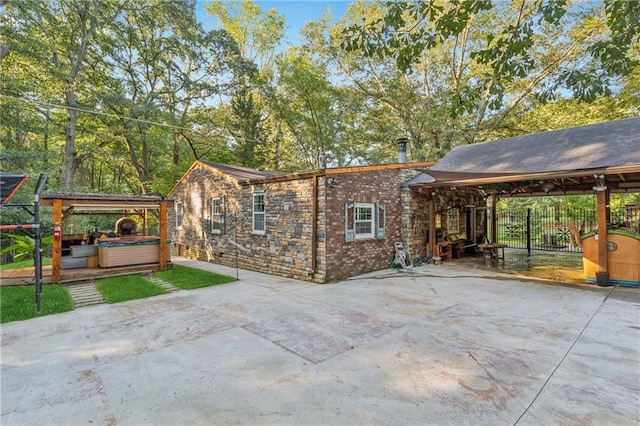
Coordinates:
(598,159)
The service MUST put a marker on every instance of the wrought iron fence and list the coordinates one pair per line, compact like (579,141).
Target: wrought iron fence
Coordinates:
(557,228)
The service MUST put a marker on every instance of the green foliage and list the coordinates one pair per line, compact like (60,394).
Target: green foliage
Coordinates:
(17,303)
(192,278)
(130,287)
(24,246)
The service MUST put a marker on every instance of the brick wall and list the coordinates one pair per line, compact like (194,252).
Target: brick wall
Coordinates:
(346,259)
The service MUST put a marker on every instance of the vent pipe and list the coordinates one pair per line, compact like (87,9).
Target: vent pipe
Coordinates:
(402,150)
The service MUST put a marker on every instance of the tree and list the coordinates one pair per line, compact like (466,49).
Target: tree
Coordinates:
(63,32)
(407,30)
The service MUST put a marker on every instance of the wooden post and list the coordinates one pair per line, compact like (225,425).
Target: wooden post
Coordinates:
(432,226)
(163,235)
(601,201)
(56,246)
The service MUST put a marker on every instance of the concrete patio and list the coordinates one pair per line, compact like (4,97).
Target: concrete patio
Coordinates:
(436,345)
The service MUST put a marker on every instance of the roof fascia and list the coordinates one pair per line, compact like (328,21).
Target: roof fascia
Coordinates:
(336,171)
(530,176)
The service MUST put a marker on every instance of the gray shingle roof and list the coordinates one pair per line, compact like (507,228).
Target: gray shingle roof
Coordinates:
(614,143)
(241,173)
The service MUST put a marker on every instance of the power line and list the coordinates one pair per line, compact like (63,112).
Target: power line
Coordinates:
(137,120)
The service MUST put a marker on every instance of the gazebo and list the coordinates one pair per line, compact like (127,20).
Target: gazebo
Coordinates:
(66,204)
(600,158)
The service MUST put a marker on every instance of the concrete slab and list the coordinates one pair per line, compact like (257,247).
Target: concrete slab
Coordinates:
(431,346)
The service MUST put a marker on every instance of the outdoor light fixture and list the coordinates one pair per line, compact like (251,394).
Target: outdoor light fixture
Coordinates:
(599,186)
(547,186)
(333,182)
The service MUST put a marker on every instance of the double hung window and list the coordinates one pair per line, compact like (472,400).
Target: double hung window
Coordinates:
(259,214)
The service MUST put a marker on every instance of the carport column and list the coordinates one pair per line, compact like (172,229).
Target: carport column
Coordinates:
(494,218)
(56,245)
(432,224)
(602,274)
(163,235)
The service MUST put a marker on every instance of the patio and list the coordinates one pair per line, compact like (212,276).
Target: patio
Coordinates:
(436,345)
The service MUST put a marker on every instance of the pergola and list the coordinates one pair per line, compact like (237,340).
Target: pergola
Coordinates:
(600,158)
(66,204)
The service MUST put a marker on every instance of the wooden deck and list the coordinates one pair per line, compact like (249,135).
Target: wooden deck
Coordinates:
(27,275)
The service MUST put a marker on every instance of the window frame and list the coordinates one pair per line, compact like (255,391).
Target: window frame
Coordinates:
(179,214)
(353,215)
(453,219)
(220,216)
(255,214)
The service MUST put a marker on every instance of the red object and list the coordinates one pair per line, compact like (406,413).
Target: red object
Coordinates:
(57,231)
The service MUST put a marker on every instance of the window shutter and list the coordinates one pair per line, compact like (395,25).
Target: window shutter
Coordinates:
(380,221)
(349,222)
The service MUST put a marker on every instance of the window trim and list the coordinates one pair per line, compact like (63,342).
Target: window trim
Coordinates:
(377,221)
(453,220)
(371,221)
(255,213)
(179,214)
(220,216)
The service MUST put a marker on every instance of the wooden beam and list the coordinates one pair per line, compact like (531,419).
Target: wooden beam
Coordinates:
(163,235)
(56,246)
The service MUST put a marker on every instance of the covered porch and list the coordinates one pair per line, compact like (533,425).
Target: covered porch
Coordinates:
(600,159)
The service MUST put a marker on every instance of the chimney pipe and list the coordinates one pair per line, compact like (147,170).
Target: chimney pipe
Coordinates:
(402,150)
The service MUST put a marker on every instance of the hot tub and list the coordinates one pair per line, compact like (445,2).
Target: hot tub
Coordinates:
(623,256)
(129,251)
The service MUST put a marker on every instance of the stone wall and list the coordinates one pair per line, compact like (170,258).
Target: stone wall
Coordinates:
(284,248)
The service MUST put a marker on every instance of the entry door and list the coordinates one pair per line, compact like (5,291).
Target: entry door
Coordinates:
(478,224)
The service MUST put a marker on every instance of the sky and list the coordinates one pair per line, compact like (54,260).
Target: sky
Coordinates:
(297,13)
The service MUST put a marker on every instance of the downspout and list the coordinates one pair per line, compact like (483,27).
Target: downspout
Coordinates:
(314,224)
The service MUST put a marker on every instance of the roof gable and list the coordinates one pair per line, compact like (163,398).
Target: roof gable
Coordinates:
(614,143)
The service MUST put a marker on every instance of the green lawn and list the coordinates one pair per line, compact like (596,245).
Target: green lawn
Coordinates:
(119,289)
(18,302)
(191,278)
(27,263)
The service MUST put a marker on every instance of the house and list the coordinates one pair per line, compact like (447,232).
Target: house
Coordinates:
(320,226)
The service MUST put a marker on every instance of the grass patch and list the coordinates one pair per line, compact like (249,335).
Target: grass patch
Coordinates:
(18,302)
(191,278)
(27,263)
(119,289)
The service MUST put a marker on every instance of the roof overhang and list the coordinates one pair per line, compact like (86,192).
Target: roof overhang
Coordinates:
(624,178)
(104,202)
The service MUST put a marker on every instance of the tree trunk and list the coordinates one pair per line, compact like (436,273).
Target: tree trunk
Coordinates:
(70,156)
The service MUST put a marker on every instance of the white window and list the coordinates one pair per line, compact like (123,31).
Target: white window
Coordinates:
(179,214)
(453,221)
(217,215)
(364,221)
(259,217)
